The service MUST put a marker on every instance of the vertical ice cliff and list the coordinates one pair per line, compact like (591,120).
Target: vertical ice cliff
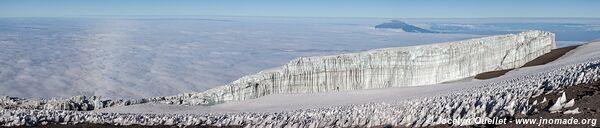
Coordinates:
(380,68)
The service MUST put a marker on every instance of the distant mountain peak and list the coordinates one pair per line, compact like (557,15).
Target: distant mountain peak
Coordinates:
(396,24)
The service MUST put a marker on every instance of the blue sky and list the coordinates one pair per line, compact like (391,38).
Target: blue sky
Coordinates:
(305,8)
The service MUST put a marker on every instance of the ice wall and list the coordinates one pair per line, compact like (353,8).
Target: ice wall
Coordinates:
(381,68)
(497,98)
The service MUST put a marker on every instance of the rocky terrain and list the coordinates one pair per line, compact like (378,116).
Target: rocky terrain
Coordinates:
(584,105)
(396,24)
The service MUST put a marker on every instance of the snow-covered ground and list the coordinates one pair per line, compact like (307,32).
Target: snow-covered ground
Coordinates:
(288,102)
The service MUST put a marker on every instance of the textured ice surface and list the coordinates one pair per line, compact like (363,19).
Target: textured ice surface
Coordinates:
(144,57)
(498,97)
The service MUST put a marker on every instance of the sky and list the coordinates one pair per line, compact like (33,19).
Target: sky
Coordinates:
(305,8)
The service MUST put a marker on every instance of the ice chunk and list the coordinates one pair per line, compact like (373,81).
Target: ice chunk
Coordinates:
(570,103)
(544,100)
(574,111)
(560,103)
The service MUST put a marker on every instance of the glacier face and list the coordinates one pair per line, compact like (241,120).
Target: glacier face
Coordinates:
(380,68)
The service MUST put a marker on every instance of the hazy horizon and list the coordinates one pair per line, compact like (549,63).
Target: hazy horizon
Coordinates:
(304,8)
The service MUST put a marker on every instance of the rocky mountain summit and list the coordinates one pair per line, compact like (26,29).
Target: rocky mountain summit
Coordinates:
(396,24)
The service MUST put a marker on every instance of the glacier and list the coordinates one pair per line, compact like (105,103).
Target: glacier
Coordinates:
(382,68)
